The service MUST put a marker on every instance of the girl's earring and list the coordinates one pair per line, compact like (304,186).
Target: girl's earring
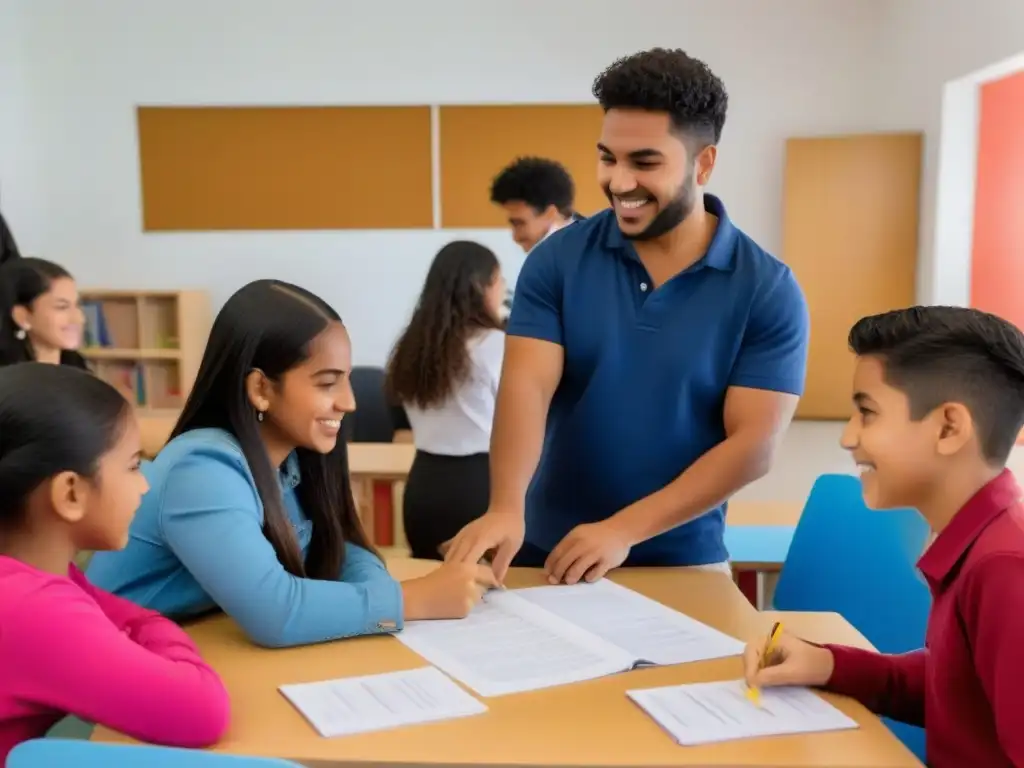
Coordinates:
(259,415)
(20,334)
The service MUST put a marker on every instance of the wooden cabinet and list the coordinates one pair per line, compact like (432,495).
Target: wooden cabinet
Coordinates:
(850,235)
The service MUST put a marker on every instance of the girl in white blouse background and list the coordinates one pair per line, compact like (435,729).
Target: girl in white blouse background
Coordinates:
(444,371)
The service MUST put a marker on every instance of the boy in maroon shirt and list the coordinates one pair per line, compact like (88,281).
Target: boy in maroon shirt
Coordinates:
(939,402)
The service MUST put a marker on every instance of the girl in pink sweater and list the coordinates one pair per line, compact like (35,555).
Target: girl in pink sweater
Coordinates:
(70,481)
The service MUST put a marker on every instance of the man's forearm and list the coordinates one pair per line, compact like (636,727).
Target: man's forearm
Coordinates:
(713,478)
(517,440)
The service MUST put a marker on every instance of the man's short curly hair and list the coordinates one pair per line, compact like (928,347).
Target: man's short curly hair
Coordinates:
(536,181)
(663,80)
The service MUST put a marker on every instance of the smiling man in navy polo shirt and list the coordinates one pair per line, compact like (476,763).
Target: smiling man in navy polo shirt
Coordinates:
(655,353)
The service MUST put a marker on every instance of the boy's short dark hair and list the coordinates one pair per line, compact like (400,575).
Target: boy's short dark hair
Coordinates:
(937,355)
(536,181)
(672,81)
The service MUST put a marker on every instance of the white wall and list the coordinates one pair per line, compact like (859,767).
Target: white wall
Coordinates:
(21,195)
(925,44)
(793,67)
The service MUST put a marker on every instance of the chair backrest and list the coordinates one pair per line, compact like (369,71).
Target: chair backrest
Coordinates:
(375,419)
(860,563)
(74,753)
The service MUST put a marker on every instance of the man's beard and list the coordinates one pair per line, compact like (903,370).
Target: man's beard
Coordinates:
(670,216)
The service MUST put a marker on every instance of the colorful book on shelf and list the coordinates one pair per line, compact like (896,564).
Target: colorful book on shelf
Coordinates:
(140,386)
(96,332)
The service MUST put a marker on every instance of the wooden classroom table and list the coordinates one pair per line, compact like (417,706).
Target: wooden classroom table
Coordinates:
(374,463)
(381,461)
(743,512)
(585,724)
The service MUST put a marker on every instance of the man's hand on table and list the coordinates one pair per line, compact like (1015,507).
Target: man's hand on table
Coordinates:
(497,534)
(588,552)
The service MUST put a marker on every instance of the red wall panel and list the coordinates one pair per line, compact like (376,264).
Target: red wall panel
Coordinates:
(997,258)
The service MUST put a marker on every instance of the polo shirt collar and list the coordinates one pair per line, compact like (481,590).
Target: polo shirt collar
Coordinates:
(986,505)
(289,472)
(554,228)
(721,253)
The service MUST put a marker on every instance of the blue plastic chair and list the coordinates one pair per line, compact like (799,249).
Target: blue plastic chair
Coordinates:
(862,564)
(68,753)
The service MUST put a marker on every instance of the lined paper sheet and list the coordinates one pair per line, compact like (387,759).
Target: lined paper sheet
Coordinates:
(649,631)
(508,645)
(705,713)
(376,702)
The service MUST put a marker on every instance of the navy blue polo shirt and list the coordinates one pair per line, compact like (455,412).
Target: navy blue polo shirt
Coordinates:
(646,371)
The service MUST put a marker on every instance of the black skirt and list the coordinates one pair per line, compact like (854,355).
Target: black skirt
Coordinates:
(443,494)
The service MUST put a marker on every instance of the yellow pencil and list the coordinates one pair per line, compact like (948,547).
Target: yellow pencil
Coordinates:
(753,692)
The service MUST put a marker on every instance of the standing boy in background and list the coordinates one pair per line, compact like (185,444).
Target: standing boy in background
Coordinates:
(654,357)
(939,398)
(536,195)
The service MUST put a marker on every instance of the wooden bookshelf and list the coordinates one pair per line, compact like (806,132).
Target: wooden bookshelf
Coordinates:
(148,344)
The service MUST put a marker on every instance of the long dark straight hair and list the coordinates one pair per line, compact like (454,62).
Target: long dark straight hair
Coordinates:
(268,325)
(431,356)
(8,247)
(53,419)
(22,281)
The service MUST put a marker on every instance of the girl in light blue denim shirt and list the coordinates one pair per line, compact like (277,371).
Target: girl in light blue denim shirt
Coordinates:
(250,507)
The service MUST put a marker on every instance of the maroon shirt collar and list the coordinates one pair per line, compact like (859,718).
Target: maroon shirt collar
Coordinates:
(986,505)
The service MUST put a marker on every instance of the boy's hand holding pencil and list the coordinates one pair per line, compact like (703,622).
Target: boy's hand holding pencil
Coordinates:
(781,659)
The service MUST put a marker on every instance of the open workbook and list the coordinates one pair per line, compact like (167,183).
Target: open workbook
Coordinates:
(527,639)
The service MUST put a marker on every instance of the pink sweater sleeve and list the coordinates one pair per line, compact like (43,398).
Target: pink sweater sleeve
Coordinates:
(89,654)
(131,618)
(124,613)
